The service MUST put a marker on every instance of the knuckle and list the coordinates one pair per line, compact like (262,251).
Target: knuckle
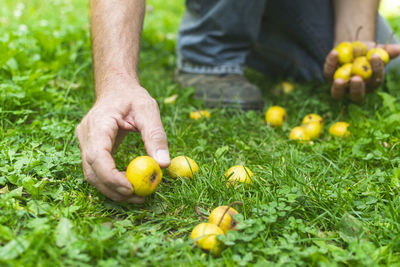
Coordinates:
(90,156)
(90,179)
(78,131)
(109,182)
(153,102)
(157,134)
(147,103)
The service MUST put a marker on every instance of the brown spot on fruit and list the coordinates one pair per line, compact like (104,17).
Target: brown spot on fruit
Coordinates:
(153,177)
(366,68)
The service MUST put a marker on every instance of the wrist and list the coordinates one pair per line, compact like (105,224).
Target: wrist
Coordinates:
(115,83)
(350,15)
(348,34)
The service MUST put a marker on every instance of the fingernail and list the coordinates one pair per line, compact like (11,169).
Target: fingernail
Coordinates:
(123,190)
(162,157)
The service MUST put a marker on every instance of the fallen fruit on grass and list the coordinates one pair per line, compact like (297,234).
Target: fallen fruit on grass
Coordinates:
(144,174)
(205,237)
(287,87)
(199,114)
(344,72)
(171,99)
(311,118)
(275,116)
(223,217)
(362,68)
(299,134)
(313,129)
(380,52)
(182,166)
(345,52)
(238,174)
(339,129)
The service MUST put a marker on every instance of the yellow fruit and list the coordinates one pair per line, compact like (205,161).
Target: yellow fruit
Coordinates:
(275,116)
(359,49)
(312,129)
(345,52)
(204,235)
(228,222)
(144,174)
(312,117)
(200,114)
(344,72)
(299,134)
(182,166)
(171,99)
(287,87)
(362,68)
(380,52)
(339,129)
(238,174)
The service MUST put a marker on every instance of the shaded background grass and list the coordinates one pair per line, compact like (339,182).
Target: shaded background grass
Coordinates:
(334,202)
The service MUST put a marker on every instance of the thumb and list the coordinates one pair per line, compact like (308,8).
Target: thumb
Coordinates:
(154,138)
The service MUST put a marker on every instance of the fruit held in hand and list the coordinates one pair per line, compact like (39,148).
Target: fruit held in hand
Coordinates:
(182,166)
(238,174)
(228,222)
(362,68)
(205,234)
(359,49)
(275,116)
(313,129)
(200,114)
(144,174)
(299,134)
(345,52)
(344,72)
(339,129)
(380,52)
(311,118)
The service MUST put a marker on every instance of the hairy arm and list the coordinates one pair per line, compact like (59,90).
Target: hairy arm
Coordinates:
(122,104)
(349,15)
(116,27)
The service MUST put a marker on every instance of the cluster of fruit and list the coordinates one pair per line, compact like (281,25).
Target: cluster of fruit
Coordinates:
(310,128)
(220,221)
(145,174)
(199,114)
(185,167)
(355,58)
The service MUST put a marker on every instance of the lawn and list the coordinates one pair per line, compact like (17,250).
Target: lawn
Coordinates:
(334,202)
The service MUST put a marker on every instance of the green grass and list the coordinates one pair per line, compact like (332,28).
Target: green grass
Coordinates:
(335,202)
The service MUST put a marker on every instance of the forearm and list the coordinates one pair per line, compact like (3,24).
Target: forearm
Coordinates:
(350,14)
(116,27)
